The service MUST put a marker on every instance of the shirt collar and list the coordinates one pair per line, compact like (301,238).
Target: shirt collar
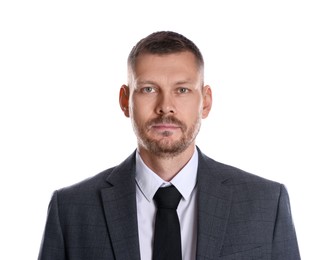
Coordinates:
(149,182)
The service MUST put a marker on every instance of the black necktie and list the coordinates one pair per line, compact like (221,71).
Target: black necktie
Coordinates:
(167,237)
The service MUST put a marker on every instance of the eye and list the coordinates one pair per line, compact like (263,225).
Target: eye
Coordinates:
(183,90)
(148,90)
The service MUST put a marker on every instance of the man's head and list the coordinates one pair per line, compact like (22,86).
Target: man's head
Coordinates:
(163,43)
(165,97)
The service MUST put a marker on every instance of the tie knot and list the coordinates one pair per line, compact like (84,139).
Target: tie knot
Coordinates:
(167,198)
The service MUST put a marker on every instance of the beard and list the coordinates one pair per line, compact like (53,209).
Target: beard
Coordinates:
(162,146)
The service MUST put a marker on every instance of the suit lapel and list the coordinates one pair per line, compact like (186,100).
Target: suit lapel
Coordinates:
(119,203)
(214,202)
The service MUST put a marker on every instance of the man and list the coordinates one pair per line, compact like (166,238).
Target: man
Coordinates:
(222,212)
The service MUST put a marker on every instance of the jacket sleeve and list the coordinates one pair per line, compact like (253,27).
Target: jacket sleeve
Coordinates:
(285,245)
(52,246)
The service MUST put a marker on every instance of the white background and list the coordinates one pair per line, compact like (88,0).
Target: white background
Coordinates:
(271,65)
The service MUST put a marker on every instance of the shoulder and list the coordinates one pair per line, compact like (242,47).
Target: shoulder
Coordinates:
(105,179)
(85,190)
(239,180)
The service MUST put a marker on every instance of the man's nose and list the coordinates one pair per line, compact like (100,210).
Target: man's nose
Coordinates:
(165,104)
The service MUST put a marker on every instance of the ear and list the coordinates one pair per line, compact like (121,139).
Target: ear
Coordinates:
(207,101)
(124,99)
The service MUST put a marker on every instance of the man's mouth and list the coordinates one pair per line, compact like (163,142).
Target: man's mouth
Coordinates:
(165,126)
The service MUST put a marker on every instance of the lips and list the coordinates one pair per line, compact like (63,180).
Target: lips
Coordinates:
(165,124)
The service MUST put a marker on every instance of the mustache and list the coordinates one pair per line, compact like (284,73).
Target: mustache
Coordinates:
(166,120)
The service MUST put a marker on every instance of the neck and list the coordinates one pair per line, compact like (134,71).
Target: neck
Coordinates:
(166,167)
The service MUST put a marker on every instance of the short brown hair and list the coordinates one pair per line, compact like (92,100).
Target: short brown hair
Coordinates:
(164,42)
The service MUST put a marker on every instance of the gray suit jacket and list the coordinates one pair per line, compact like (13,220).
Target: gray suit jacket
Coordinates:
(240,216)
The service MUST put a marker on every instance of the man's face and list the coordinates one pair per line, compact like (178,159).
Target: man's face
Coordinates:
(167,101)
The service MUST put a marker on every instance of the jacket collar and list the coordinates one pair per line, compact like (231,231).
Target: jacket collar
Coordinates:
(214,203)
(119,202)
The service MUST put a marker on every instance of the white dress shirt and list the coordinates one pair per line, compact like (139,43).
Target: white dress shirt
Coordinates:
(147,184)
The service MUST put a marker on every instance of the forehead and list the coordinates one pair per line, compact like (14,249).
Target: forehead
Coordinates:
(175,66)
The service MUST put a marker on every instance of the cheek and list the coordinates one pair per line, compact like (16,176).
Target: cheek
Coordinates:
(144,106)
(139,112)
(191,106)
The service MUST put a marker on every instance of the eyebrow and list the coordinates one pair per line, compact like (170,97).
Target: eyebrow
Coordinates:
(144,82)
(183,82)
